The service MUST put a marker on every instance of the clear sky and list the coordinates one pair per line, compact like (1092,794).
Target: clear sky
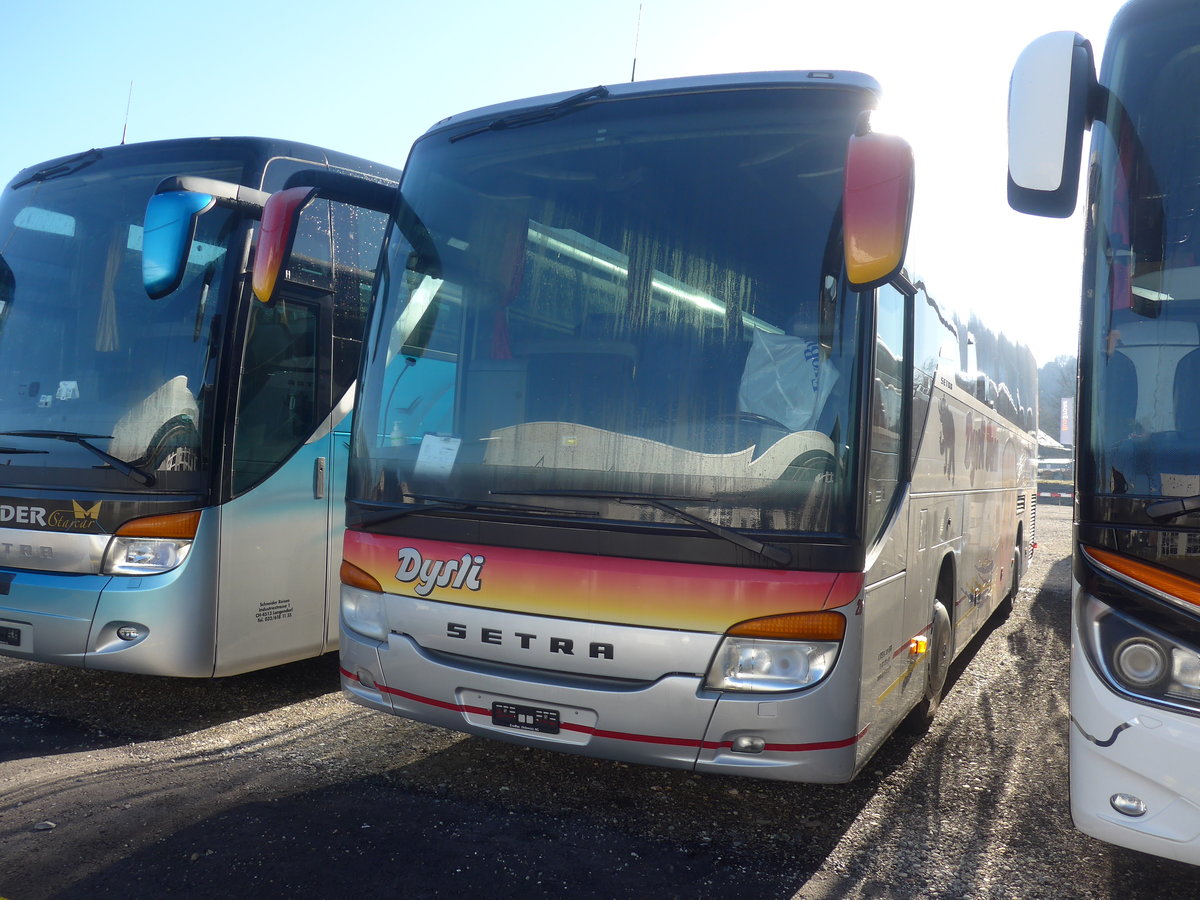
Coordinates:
(369,76)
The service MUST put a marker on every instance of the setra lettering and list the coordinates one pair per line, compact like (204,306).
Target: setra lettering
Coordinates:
(496,637)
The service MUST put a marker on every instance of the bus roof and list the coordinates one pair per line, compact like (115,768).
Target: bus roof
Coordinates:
(695,83)
(259,148)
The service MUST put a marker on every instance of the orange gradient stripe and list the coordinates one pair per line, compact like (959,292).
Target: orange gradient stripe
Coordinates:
(646,593)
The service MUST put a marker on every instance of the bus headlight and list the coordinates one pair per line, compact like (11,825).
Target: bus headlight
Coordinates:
(362,611)
(1140,659)
(144,556)
(777,653)
(150,545)
(1140,662)
(363,608)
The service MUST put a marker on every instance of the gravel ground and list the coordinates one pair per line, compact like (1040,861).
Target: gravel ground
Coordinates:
(271,784)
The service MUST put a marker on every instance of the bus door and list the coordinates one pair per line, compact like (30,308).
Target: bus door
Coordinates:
(887,665)
(275,532)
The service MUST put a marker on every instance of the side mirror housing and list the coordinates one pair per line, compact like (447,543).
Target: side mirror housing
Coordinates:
(8,287)
(1049,104)
(170,225)
(280,219)
(167,233)
(876,208)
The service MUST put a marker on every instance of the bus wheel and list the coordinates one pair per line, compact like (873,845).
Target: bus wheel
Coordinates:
(1005,607)
(938,654)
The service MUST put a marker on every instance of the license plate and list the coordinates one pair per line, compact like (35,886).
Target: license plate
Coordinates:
(527,718)
(10,636)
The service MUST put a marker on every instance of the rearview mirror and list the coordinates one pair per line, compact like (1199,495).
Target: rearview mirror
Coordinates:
(1049,100)
(8,287)
(170,224)
(876,207)
(280,218)
(167,233)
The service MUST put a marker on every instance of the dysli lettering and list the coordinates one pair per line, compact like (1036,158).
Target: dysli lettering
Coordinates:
(431,573)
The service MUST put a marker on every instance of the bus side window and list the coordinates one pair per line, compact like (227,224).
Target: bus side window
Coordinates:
(278,400)
(285,391)
(357,236)
(887,411)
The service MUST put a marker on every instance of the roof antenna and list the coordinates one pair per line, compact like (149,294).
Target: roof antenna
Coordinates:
(636,35)
(128,101)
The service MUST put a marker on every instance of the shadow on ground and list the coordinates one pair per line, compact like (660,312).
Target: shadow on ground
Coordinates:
(48,709)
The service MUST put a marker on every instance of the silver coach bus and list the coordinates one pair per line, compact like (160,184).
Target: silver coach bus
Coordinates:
(659,454)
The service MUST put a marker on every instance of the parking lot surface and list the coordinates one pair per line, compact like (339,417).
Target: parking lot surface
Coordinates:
(273,785)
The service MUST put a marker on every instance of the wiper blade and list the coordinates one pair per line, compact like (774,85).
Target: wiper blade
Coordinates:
(773,552)
(1172,508)
(9,451)
(66,167)
(442,504)
(541,114)
(74,437)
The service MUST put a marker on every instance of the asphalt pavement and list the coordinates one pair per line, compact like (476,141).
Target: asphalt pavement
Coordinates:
(272,785)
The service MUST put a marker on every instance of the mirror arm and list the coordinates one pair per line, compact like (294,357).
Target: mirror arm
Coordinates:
(901,283)
(232,196)
(354,190)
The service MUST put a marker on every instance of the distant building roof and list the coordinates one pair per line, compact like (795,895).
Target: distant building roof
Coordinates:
(1049,443)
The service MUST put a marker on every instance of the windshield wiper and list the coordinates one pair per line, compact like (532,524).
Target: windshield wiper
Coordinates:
(442,504)
(541,114)
(773,552)
(66,167)
(73,437)
(1172,508)
(8,451)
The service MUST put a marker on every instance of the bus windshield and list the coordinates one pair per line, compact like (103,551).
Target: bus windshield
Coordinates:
(635,299)
(85,355)
(1143,398)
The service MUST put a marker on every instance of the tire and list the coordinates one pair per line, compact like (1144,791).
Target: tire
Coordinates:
(939,653)
(1005,607)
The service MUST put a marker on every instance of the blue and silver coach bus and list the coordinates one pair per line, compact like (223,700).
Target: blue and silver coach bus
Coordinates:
(172,449)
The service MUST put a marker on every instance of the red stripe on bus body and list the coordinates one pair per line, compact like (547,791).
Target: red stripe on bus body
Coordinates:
(623,735)
(429,701)
(629,736)
(820,745)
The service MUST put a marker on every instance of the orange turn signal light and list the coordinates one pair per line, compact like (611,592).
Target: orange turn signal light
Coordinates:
(353,576)
(1151,576)
(176,526)
(809,626)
